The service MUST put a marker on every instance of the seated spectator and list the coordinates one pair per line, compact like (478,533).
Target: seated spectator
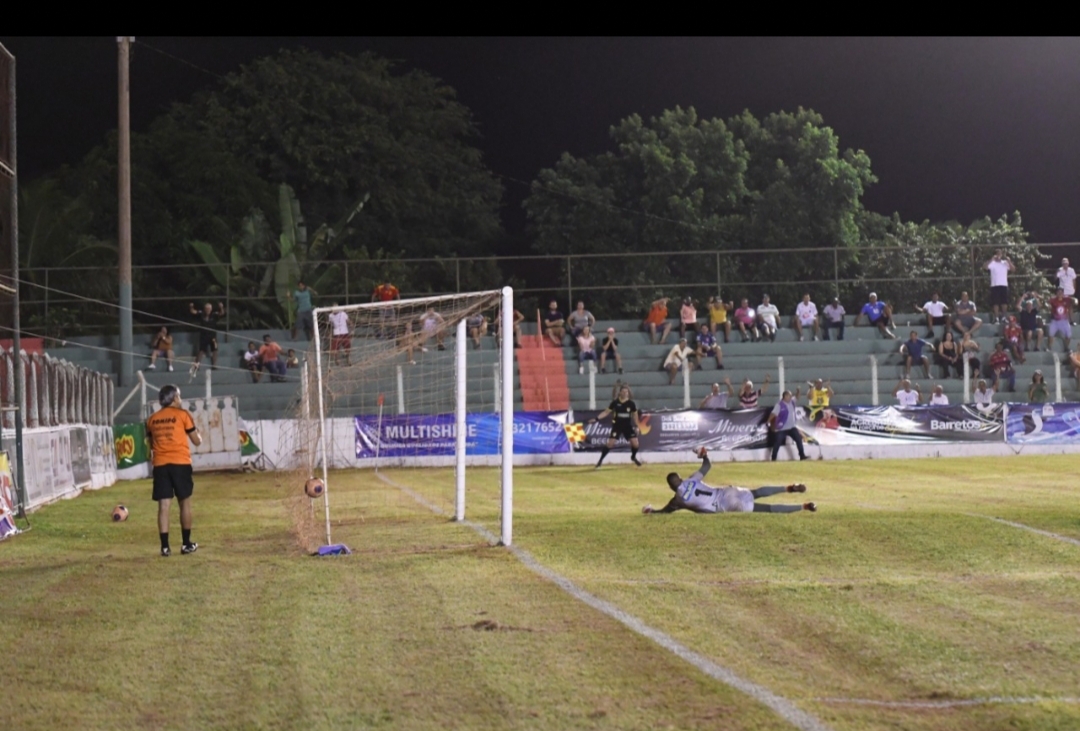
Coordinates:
(657,317)
(718,398)
(983,395)
(936,313)
(252,361)
(518,318)
(161,345)
(806,315)
(719,312)
(1014,338)
(678,358)
(609,348)
(965,320)
(834,318)
(1038,393)
(912,350)
(580,319)
(999,366)
(878,314)
(768,318)
(948,356)
(968,349)
(586,348)
(708,347)
(749,396)
(1030,321)
(818,398)
(554,323)
(687,317)
(746,321)
(268,359)
(905,395)
(291,361)
(1061,307)
(477,327)
(938,397)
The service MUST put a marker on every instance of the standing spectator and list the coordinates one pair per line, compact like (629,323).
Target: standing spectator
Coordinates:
(586,348)
(935,311)
(719,312)
(252,361)
(912,350)
(386,292)
(806,315)
(161,345)
(477,327)
(749,396)
(746,319)
(818,398)
(968,354)
(906,395)
(518,318)
(984,396)
(1061,307)
(938,397)
(687,317)
(718,398)
(878,314)
(965,320)
(580,319)
(609,347)
(340,337)
(168,431)
(269,361)
(1030,322)
(999,266)
(1038,393)
(304,310)
(999,366)
(1066,277)
(657,317)
(1014,339)
(782,422)
(768,317)
(707,346)
(834,318)
(207,321)
(949,356)
(678,358)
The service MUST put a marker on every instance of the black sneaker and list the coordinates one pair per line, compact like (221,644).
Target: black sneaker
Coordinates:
(189,548)
(803,456)
(799,487)
(809,506)
(165,552)
(637,461)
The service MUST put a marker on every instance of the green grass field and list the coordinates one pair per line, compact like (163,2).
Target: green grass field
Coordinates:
(900,590)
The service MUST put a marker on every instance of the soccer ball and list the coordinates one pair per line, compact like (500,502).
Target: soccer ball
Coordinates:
(119,514)
(701,452)
(313,487)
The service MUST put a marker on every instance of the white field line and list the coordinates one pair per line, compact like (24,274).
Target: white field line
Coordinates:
(1046,533)
(784,708)
(947,704)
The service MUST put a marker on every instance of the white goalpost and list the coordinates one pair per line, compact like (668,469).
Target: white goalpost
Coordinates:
(422,351)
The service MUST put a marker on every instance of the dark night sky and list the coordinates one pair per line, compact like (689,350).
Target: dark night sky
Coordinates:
(955,128)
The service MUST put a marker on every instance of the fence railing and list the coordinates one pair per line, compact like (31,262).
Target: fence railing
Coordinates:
(56,391)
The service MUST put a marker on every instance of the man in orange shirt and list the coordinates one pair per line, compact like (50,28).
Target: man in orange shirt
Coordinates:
(657,317)
(386,292)
(169,430)
(268,358)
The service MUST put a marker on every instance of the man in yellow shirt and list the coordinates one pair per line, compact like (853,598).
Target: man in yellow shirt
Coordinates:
(169,430)
(818,398)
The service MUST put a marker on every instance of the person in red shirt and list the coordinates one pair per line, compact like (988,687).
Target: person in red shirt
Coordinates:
(386,292)
(1061,307)
(169,429)
(1001,367)
(269,361)
(1014,338)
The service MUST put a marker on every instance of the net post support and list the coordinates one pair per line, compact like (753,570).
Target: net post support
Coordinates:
(967,381)
(400,390)
(1057,377)
(687,366)
(322,421)
(506,331)
(874,399)
(592,389)
(459,418)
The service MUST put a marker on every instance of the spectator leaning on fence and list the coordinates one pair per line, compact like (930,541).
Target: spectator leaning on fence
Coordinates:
(834,319)
(878,314)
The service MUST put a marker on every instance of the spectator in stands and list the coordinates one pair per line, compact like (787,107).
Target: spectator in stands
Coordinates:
(948,356)
(878,314)
(906,395)
(609,348)
(252,361)
(688,317)
(912,350)
(834,318)
(768,318)
(580,319)
(748,395)
(305,311)
(718,398)
(708,347)
(1061,307)
(806,315)
(207,320)
(678,357)
(719,316)
(746,320)
(291,361)
(518,319)
(586,348)
(340,336)
(386,292)
(968,349)
(1038,393)
(161,345)
(999,266)
(984,396)
(999,366)
(432,325)
(477,326)
(1074,365)
(657,318)
(818,398)
(1014,339)
(965,320)
(936,313)
(782,423)
(554,323)
(938,397)
(1030,321)
(269,360)
(1066,277)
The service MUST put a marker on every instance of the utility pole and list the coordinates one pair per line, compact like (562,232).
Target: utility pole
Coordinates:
(124,197)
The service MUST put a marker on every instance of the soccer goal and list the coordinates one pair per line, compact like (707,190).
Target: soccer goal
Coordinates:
(424,382)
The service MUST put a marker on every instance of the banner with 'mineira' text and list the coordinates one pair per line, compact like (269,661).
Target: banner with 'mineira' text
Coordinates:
(424,435)
(673,431)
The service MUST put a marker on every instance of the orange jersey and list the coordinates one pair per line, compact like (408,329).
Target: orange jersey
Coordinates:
(657,315)
(385,293)
(168,430)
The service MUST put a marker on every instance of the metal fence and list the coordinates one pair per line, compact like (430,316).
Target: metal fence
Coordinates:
(56,392)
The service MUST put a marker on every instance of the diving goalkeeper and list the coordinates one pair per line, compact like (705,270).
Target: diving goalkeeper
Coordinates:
(694,495)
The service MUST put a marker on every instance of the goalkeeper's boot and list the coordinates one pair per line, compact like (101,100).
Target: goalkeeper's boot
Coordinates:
(809,506)
(799,487)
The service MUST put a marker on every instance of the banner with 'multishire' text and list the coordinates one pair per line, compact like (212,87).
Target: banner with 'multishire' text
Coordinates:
(424,435)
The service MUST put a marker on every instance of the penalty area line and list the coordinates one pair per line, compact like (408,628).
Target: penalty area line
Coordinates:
(959,703)
(1021,526)
(781,706)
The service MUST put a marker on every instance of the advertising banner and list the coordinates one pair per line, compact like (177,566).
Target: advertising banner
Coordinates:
(860,425)
(671,431)
(131,447)
(7,498)
(1043,423)
(423,435)
(80,456)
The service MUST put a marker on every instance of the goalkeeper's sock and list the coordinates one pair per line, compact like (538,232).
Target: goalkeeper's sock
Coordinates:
(603,453)
(164,540)
(633,456)
(187,536)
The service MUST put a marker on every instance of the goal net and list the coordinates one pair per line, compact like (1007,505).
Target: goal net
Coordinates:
(394,386)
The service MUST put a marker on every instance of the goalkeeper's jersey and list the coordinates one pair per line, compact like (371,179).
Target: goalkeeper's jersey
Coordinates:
(694,495)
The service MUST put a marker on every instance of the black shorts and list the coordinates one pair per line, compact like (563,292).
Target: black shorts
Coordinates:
(939,320)
(999,296)
(173,480)
(626,431)
(207,343)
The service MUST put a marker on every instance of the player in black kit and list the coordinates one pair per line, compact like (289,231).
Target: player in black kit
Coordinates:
(624,423)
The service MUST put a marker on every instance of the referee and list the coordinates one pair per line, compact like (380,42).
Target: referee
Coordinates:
(169,430)
(625,422)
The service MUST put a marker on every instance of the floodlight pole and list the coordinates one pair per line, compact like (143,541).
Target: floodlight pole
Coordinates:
(124,196)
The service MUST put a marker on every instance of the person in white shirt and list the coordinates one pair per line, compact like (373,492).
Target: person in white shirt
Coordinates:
(906,395)
(1066,277)
(936,314)
(340,339)
(806,315)
(999,267)
(938,397)
(767,314)
(586,348)
(717,398)
(834,318)
(984,396)
(677,358)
